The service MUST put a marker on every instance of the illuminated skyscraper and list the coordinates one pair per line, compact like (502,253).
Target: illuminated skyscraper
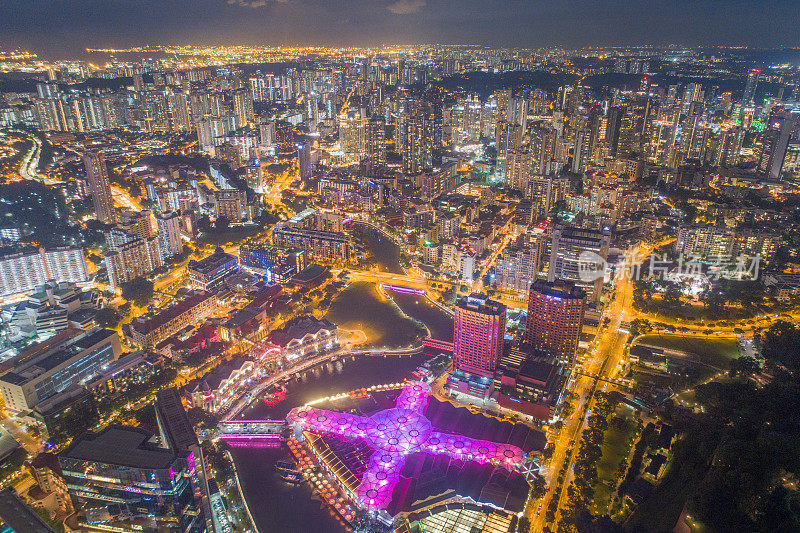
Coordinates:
(478,331)
(775,141)
(97,175)
(169,234)
(284,139)
(375,142)
(555,318)
(304,159)
(579,255)
(750,86)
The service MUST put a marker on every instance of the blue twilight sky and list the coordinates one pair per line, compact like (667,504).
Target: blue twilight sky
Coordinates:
(59,28)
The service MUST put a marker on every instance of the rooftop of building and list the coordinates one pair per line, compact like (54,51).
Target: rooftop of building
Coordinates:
(36,366)
(212,379)
(18,516)
(559,289)
(541,370)
(213,261)
(120,446)
(241,317)
(46,460)
(299,327)
(302,215)
(169,410)
(145,326)
(313,273)
(481,303)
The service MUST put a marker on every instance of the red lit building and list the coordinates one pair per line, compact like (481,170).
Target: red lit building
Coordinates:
(478,331)
(555,318)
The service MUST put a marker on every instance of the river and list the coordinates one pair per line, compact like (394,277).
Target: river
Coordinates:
(279,507)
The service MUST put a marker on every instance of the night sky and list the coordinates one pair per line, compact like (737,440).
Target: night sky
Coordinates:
(61,28)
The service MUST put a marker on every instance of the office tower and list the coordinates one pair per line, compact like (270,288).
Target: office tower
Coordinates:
(555,318)
(169,234)
(243,107)
(375,143)
(120,472)
(579,255)
(177,434)
(478,331)
(750,86)
(352,133)
(775,142)
(97,176)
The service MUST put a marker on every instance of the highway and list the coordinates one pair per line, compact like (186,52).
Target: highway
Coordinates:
(123,199)
(28,168)
(282,182)
(603,359)
(31,444)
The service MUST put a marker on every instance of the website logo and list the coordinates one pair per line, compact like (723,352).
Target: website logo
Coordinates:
(591,266)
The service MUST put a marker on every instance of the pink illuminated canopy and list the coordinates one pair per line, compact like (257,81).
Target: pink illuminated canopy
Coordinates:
(395,433)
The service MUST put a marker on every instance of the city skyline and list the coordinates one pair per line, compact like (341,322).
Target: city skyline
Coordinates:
(61,30)
(506,286)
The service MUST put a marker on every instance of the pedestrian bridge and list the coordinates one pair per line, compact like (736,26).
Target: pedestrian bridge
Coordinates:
(265,432)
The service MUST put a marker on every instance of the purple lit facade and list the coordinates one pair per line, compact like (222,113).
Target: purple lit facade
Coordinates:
(395,433)
(403,290)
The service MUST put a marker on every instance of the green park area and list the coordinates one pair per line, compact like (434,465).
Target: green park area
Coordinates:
(618,441)
(702,358)
(361,307)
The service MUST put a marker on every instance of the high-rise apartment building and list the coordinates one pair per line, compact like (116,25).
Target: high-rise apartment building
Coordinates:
(231,204)
(243,107)
(555,318)
(516,268)
(375,143)
(24,271)
(169,234)
(131,260)
(97,176)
